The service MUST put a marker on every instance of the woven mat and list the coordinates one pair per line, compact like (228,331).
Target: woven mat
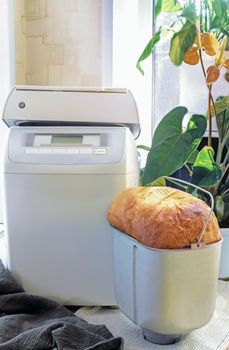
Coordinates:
(214,336)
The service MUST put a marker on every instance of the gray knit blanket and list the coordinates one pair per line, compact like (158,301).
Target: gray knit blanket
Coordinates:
(30,322)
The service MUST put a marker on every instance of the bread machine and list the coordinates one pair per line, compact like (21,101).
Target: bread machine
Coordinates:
(68,153)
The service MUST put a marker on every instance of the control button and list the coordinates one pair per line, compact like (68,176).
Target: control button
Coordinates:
(72,151)
(45,151)
(31,150)
(86,151)
(58,151)
(99,151)
(21,104)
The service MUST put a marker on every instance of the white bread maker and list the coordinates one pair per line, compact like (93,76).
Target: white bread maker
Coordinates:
(69,151)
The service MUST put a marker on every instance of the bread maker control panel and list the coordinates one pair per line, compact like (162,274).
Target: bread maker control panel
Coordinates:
(71,144)
(63,145)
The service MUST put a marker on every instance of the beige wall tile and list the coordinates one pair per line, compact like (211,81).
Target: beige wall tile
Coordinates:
(58,42)
(71,6)
(33,27)
(55,75)
(89,6)
(20,43)
(90,80)
(71,55)
(55,8)
(67,74)
(55,54)
(19,9)
(20,73)
(35,8)
(32,8)
(37,78)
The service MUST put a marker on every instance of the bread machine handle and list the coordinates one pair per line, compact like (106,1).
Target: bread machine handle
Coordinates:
(198,244)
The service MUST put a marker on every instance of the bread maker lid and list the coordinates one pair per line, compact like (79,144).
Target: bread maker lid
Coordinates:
(58,105)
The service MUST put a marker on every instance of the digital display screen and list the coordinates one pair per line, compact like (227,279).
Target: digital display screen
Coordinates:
(72,139)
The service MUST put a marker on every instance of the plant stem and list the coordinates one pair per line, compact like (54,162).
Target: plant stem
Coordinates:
(222,145)
(226,158)
(225,193)
(189,169)
(225,138)
(204,73)
(206,18)
(224,173)
(219,154)
(226,181)
(201,16)
(209,116)
(210,102)
(201,62)
(225,170)
(178,184)
(220,182)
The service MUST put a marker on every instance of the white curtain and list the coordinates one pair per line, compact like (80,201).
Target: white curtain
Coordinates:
(6,71)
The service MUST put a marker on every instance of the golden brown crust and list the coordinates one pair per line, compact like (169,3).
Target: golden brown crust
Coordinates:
(162,217)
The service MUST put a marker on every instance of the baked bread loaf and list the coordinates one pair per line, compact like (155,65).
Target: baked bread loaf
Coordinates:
(162,217)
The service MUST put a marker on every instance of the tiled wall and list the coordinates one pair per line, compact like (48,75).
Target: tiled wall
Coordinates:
(58,42)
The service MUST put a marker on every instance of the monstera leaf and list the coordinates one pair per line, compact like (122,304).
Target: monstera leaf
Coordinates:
(221,104)
(222,109)
(171,145)
(206,172)
(181,42)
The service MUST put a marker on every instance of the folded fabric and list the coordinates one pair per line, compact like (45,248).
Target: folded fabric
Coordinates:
(30,322)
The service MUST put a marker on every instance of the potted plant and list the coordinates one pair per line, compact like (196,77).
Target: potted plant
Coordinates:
(213,18)
(174,147)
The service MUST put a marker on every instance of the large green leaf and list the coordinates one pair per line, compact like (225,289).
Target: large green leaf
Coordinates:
(206,172)
(181,42)
(171,146)
(223,121)
(219,20)
(222,109)
(148,50)
(189,12)
(220,7)
(166,6)
(217,7)
(219,208)
(193,156)
(160,182)
(221,104)
(157,183)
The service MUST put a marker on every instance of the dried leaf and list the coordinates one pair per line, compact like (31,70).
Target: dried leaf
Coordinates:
(213,73)
(220,57)
(192,56)
(226,63)
(209,43)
